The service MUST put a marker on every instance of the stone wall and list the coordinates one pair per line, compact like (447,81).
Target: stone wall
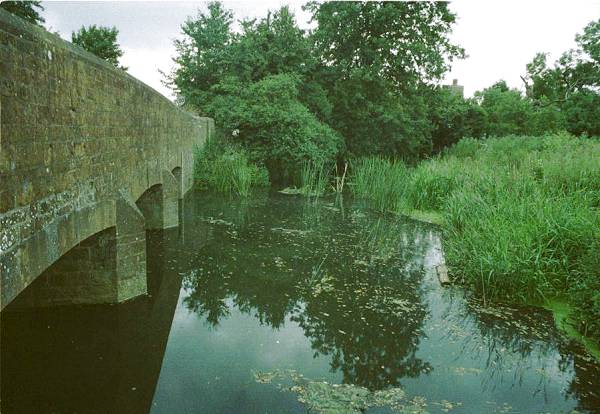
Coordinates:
(76,136)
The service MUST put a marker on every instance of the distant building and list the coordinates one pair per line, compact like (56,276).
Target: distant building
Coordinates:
(456,88)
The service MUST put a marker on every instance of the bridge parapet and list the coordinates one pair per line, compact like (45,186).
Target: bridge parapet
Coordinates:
(78,138)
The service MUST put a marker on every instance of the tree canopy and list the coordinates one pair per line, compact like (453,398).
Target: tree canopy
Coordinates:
(26,10)
(364,80)
(101,41)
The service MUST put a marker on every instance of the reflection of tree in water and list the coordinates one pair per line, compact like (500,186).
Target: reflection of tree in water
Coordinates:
(370,319)
(371,330)
(345,282)
(525,331)
(206,296)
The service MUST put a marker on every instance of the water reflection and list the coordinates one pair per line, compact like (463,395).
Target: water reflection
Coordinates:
(344,282)
(90,359)
(273,283)
(362,289)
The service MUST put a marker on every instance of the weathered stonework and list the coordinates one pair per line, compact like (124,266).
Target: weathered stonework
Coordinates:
(82,145)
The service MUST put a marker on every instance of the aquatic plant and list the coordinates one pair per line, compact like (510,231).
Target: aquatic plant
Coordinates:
(340,181)
(521,214)
(326,398)
(227,169)
(314,177)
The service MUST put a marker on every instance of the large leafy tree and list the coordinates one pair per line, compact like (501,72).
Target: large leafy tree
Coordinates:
(572,85)
(101,41)
(271,46)
(377,60)
(203,56)
(26,10)
(508,112)
(256,85)
(454,117)
(405,43)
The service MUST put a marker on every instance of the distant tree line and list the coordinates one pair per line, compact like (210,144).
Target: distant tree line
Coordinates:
(364,81)
(565,96)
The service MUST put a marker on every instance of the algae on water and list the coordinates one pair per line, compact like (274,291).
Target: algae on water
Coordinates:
(325,398)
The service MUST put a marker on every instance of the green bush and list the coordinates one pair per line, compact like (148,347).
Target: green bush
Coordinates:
(269,120)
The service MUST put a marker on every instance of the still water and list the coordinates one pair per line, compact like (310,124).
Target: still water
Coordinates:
(274,304)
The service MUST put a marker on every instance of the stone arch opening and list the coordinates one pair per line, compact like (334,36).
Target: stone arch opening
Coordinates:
(159,204)
(85,274)
(96,255)
(177,172)
(150,204)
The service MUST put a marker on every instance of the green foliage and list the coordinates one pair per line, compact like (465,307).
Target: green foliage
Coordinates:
(253,85)
(582,111)
(225,168)
(292,99)
(405,43)
(376,61)
(361,83)
(101,41)
(509,113)
(380,180)
(521,214)
(572,85)
(314,178)
(26,10)
(271,122)
(202,56)
(453,118)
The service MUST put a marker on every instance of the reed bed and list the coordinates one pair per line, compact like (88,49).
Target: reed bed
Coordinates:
(521,215)
(227,170)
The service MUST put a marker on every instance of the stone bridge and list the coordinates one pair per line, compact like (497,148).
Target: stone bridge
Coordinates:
(90,158)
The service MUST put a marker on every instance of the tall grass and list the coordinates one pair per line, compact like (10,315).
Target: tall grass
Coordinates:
(381,181)
(314,178)
(521,215)
(226,169)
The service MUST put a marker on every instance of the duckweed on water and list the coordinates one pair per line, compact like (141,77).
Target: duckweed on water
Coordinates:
(357,294)
(325,398)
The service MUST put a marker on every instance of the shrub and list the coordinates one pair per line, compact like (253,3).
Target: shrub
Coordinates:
(274,126)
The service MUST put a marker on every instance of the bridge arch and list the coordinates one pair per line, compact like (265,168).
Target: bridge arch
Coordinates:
(178,175)
(77,153)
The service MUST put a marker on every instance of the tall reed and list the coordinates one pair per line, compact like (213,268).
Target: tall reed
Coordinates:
(227,170)
(314,178)
(521,214)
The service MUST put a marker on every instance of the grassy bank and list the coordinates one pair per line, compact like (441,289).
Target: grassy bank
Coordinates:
(520,215)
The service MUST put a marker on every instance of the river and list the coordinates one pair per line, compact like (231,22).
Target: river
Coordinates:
(279,304)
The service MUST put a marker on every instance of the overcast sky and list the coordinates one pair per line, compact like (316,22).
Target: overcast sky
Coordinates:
(500,37)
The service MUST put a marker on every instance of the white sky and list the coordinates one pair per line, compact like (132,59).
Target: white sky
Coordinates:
(500,36)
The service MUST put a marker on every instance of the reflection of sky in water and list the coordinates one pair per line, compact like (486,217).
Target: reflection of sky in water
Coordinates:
(210,370)
(374,293)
